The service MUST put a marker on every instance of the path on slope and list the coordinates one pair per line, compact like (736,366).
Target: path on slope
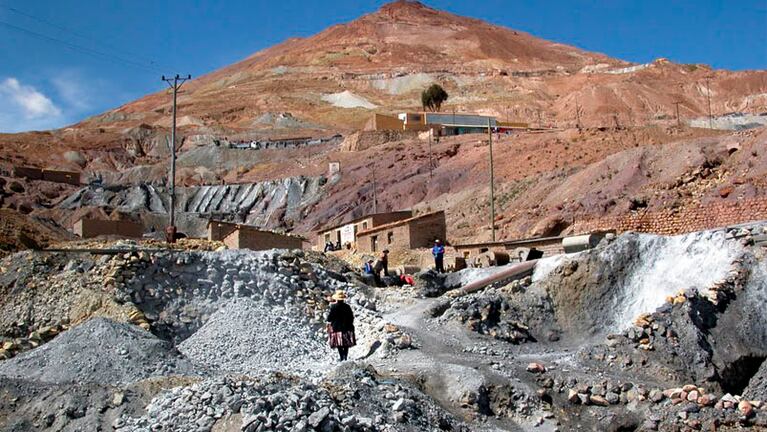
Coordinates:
(447,372)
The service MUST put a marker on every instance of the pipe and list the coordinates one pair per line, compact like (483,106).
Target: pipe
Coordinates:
(516,271)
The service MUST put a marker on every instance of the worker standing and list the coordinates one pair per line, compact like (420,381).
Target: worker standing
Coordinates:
(381,265)
(439,256)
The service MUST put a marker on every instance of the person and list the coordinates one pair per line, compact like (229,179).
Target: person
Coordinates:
(369,267)
(406,279)
(381,265)
(340,325)
(328,246)
(439,256)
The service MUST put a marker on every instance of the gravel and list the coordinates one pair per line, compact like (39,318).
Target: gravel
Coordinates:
(98,351)
(352,398)
(247,336)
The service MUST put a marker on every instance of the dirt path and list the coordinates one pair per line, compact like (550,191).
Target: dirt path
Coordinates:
(447,372)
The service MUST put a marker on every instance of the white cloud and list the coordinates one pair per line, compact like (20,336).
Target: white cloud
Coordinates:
(23,107)
(33,103)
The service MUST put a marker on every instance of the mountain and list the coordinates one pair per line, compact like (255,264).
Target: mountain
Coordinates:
(334,81)
(386,58)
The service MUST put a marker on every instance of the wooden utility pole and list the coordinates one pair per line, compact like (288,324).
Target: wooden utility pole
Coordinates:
(175,83)
(577,114)
(710,111)
(678,120)
(375,192)
(492,180)
(431,131)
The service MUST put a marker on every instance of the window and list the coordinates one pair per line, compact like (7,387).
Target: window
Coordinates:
(390,237)
(483,250)
(373,243)
(327,237)
(364,226)
(466,254)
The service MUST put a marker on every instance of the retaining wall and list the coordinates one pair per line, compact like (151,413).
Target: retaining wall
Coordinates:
(680,221)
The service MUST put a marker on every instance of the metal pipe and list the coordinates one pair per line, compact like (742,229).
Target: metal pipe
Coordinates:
(515,271)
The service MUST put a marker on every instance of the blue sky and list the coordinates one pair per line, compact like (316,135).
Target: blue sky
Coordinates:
(45,84)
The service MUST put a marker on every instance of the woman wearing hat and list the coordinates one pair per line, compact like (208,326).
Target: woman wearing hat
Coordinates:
(340,325)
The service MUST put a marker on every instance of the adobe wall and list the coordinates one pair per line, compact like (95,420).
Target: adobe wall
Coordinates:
(68,177)
(363,225)
(384,122)
(57,176)
(399,235)
(261,240)
(28,172)
(219,231)
(424,231)
(680,221)
(89,228)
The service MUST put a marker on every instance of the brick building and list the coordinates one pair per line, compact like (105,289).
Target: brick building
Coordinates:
(89,228)
(411,233)
(239,236)
(346,233)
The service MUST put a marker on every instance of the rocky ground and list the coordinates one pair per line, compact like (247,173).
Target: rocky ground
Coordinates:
(623,337)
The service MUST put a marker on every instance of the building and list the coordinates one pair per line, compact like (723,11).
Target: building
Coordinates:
(411,233)
(89,228)
(346,233)
(56,176)
(239,236)
(442,123)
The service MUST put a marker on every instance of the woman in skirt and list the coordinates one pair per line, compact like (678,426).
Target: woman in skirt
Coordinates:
(341,325)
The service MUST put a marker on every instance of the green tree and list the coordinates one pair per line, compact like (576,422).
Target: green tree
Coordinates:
(433,97)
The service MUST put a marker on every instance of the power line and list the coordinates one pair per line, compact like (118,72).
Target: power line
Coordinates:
(78,34)
(85,50)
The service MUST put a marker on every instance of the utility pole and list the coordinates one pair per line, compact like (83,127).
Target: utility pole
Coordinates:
(492,181)
(375,192)
(431,132)
(708,96)
(175,83)
(577,113)
(678,120)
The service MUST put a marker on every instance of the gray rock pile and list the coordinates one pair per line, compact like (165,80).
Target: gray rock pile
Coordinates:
(179,293)
(247,337)
(352,399)
(503,313)
(98,351)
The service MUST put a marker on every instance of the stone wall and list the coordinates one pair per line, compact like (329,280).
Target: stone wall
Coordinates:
(680,221)
(364,140)
(549,246)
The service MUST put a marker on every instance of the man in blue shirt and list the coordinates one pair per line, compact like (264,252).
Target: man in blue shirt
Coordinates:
(369,267)
(439,256)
